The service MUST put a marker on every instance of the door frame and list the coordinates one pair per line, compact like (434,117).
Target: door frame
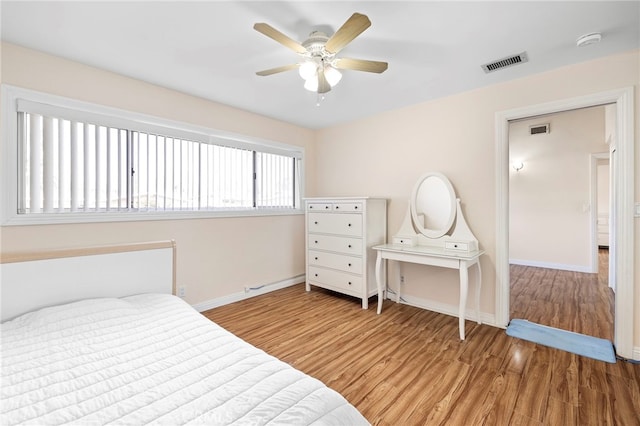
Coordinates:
(593,208)
(624,205)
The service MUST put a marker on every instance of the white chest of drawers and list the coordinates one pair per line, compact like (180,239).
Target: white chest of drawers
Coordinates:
(340,233)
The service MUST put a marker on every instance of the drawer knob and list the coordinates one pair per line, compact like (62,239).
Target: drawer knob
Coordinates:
(326,207)
(349,225)
(349,245)
(316,275)
(316,241)
(349,282)
(355,208)
(310,207)
(349,264)
(316,222)
(316,258)
(337,207)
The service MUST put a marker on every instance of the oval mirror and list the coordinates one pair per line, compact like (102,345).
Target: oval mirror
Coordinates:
(433,205)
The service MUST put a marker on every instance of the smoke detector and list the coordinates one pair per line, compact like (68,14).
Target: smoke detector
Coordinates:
(588,39)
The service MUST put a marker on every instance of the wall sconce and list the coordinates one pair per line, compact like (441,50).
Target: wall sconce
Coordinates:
(517,165)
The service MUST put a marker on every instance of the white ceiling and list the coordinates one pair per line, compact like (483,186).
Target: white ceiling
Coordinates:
(209,48)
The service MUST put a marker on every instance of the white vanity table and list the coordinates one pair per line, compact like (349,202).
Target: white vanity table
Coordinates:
(434,233)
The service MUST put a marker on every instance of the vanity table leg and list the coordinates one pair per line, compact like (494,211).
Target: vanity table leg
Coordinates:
(478,288)
(464,288)
(399,280)
(379,281)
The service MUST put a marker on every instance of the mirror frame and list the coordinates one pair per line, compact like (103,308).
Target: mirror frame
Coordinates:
(434,233)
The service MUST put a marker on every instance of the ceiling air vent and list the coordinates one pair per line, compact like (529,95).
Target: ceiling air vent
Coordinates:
(539,129)
(509,61)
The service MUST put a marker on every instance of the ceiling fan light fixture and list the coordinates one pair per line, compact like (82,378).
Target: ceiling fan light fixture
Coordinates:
(320,68)
(311,84)
(307,70)
(333,75)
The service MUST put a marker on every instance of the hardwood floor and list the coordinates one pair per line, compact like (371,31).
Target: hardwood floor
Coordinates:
(408,367)
(573,301)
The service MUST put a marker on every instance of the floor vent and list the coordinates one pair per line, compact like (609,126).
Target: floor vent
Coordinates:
(539,129)
(509,61)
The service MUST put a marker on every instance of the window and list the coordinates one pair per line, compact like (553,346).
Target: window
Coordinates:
(74,159)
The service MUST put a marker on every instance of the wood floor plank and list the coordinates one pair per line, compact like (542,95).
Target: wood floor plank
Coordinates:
(501,399)
(561,413)
(521,420)
(408,367)
(439,391)
(592,374)
(564,378)
(594,408)
(517,356)
(443,408)
(621,400)
(533,393)
(469,406)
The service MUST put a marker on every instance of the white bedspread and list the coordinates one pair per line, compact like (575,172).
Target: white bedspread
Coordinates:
(150,359)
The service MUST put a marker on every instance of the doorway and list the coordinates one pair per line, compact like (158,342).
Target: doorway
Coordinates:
(553,208)
(622,258)
(601,224)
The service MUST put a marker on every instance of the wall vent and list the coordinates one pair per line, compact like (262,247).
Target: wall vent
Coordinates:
(509,61)
(539,129)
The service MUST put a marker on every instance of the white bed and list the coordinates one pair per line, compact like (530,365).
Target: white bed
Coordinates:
(148,359)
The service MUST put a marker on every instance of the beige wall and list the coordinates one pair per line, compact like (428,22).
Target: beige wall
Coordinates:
(549,199)
(377,156)
(385,154)
(216,257)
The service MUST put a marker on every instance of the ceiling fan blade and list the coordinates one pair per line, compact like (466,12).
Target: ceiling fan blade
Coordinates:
(276,35)
(361,65)
(354,26)
(278,69)
(323,84)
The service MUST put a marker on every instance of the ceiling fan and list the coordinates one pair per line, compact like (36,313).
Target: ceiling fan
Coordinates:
(320,66)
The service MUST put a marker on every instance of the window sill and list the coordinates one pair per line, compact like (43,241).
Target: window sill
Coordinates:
(79,218)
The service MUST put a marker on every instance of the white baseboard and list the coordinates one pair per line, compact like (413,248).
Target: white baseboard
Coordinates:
(249,292)
(636,353)
(561,266)
(444,308)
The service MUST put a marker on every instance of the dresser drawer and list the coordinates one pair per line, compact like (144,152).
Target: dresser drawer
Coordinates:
(319,207)
(333,243)
(456,246)
(335,223)
(336,261)
(335,279)
(347,207)
(406,240)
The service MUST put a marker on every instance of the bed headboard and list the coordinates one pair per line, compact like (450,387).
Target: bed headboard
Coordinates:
(33,280)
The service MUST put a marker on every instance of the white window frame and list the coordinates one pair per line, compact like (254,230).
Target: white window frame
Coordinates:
(9,175)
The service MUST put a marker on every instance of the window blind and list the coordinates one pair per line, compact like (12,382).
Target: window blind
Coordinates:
(73,166)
